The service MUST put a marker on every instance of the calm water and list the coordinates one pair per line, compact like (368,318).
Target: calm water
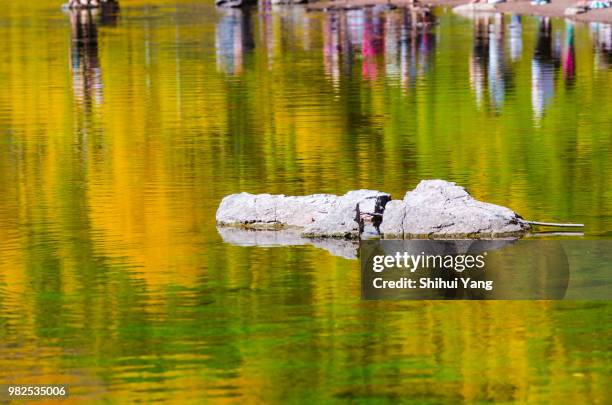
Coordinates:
(119,136)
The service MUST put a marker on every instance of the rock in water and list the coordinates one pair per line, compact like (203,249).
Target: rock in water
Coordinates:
(441,209)
(435,208)
(318,215)
(349,215)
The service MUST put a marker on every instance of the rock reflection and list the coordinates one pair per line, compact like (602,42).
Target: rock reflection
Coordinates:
(347,249)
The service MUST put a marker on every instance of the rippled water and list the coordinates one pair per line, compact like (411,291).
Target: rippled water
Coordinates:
(119,135)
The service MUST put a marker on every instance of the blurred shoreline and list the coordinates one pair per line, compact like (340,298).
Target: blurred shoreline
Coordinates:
(523,7)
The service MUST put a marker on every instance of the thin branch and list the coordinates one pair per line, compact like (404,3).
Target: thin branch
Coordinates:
(555,224)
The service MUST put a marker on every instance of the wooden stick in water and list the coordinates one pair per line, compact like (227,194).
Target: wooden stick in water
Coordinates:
(555,224)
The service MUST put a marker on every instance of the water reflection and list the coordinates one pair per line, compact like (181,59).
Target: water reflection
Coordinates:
(497,72)
(331,46)
(234,39)
(417,45)
(487,66)
(516,37)
(602,34)
(543,65)
(569,56)
(398,45)
(266,26)
(86,73)
(347,249)
(113,278)
(372,42)
(87,83)
(389,43)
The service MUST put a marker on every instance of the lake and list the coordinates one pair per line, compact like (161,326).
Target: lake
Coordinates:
(121,133)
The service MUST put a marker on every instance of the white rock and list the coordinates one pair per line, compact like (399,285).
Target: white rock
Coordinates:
(392,225)
(324,215)
(437,208)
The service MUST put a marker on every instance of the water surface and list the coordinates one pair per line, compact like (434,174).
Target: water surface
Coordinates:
(119,135)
